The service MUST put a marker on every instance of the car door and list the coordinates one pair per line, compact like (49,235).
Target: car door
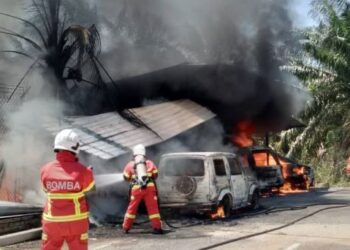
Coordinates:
(221,179)
(238,181)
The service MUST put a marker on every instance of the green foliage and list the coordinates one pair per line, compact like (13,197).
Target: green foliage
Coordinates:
(323,67)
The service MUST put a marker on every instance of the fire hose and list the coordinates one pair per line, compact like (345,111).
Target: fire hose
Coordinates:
(278,209)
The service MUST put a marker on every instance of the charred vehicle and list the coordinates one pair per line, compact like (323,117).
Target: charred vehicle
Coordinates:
(205,182)
(296,175)
(263,161)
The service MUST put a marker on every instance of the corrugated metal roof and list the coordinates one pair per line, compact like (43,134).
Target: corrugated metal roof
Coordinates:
(109,135)
(172,118)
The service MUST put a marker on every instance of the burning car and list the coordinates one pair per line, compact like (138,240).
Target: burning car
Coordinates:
(296,175)
(264,162)
(206,182)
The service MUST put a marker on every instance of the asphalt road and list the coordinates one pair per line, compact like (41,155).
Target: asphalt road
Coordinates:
(314,220)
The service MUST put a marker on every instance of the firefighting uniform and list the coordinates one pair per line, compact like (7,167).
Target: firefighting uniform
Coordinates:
(66,212)
(148,194)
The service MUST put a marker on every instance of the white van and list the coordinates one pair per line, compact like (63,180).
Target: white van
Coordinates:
(204,181)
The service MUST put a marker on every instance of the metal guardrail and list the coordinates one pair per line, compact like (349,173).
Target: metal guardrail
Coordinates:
(19,222)
(18,237)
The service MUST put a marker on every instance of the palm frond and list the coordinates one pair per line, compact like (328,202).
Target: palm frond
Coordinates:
(29,23)
(17,52)
(34,44)
(22,79)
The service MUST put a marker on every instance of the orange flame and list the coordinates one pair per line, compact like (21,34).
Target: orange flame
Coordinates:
(219,213)
(242,134)
(263,159)
(288,186)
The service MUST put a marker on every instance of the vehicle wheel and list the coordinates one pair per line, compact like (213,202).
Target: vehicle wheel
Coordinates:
(254,201)
(226,202)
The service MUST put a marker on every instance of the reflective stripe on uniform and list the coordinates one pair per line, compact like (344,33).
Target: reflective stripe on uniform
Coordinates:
(65,195)
(130,216)
(91,185)
(84,236)
(44,236)
(49,206)
(154,216)
(151,184)
(77,206)
(65,217)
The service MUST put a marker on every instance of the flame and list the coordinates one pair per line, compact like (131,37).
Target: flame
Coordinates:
(288,186)
(219,213)
(263,159)
(242,134)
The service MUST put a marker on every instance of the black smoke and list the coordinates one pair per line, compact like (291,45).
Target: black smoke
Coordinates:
(233,52)
(230,91)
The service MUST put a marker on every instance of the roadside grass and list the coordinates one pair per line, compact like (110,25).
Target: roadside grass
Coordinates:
(330,173)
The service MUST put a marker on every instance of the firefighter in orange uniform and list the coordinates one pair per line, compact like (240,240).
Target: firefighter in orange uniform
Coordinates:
(66,181)
(141,173)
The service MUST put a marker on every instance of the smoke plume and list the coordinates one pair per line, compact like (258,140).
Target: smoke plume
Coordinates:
(232,50)
(27,145)
(241,45)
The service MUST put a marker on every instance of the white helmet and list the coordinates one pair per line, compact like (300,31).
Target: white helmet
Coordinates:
(139,149)
(68,140)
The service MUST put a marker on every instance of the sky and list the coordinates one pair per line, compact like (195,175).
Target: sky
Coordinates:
(301,9)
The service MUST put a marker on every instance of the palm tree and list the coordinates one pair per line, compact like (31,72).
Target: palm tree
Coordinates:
(323,66)
(70,52)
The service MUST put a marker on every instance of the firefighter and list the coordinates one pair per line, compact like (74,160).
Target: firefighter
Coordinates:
(65,182)
(141,173)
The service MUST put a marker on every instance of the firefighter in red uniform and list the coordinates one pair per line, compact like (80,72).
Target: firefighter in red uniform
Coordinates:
(141,173)
(66,181)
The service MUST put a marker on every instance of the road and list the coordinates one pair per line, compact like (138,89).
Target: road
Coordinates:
(313,220)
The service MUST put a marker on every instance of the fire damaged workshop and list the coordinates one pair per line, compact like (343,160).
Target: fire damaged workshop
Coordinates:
(161,124)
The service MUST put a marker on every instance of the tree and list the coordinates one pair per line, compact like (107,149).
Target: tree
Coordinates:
(69,52)
(323,66)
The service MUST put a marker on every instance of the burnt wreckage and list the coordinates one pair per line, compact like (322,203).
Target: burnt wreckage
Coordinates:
(187,97)
(228,92)
(232,93)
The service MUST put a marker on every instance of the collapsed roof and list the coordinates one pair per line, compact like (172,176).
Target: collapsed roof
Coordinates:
(110,135)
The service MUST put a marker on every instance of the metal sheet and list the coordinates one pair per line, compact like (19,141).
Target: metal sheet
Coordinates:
(109,135)
(172,118)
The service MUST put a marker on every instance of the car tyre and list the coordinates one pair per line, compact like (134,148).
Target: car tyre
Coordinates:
(254,201)
(227,204)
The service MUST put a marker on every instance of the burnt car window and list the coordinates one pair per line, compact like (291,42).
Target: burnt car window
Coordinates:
(244,160)
(234,167)
(183,167)
(219,166)
(264,159)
